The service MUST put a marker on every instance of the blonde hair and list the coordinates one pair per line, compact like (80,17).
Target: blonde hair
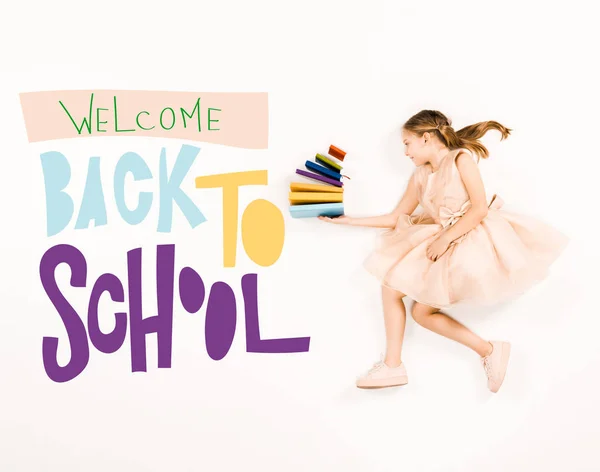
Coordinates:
(437,123)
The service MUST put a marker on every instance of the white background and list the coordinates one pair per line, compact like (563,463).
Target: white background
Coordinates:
(343,73)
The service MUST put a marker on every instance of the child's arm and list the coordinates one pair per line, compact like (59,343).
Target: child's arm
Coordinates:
(407,206)
(469,173)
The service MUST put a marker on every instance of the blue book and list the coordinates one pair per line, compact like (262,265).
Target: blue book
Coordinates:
(323,170)
(317,209)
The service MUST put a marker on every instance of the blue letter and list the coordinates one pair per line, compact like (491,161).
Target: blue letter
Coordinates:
(59,205)
(131,162)
(169,190)
(92,203)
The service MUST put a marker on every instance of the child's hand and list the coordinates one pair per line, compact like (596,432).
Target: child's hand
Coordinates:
(437,248)
(338,220)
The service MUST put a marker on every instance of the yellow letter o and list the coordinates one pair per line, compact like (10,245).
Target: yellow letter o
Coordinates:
(263,232)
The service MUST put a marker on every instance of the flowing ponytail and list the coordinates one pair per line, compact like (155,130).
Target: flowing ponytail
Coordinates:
(437,123)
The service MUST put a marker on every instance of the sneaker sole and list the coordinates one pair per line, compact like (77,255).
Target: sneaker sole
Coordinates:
(504,363)
(395,382)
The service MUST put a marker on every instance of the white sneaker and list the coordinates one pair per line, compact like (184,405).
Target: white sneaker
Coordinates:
(381,376)
(495,364)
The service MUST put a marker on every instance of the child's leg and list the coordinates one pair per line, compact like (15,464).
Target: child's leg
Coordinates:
(432,319)
(394,314)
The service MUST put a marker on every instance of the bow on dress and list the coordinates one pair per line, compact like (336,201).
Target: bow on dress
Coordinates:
(449,217)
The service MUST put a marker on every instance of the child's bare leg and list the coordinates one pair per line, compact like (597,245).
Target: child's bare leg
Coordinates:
(432,319)
(394,313)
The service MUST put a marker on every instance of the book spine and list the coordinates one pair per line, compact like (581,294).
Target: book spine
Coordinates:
(302,187)
(315,197)
(336,152)
(312,175)
(321,209)
(327,162)
(323,170)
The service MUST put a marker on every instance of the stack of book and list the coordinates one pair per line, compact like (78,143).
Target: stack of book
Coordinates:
(325,198)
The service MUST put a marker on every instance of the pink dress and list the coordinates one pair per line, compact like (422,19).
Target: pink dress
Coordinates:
(500,258)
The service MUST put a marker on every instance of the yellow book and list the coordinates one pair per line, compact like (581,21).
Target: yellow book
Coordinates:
(302,187)
(315,197)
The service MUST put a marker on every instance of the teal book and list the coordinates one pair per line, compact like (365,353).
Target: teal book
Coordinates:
(317,209)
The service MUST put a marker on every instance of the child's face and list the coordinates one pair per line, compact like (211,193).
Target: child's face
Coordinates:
(414,148)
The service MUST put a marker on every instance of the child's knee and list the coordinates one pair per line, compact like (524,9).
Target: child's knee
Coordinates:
(389,292)
(421,312)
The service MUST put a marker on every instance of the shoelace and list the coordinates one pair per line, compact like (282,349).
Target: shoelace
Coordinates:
(487,367)
(377,366)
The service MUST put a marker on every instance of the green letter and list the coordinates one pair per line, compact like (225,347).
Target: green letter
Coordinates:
(137,120)
(161,115)
(98,122)
(184,114)
(116,120)
(209,120)
(85,123)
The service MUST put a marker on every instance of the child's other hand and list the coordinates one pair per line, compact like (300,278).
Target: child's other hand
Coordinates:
(437,248)
(338,220)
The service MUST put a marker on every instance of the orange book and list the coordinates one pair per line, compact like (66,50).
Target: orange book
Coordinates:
(336,152)
(302,187)
(315,197)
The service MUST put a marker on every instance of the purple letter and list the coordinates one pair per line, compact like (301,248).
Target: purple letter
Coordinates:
(220,320)
(80,351)
(253,341)
(112,341)
(162,323)
(191,290)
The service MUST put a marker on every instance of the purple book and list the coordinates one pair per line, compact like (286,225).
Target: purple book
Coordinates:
(321,178)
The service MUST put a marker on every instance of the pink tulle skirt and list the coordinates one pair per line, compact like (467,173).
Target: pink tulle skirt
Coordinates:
(499,259)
